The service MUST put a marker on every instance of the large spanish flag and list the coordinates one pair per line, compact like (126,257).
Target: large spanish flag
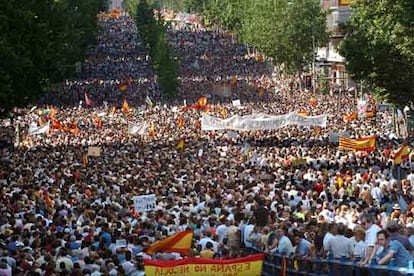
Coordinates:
(246,266)
(401,154)
(360,144)
(179,242)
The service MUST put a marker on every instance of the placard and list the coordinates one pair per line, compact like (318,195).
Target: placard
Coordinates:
(144,203)
(94,151)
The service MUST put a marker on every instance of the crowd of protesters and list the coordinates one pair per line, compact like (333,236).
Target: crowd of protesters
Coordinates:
(289,190)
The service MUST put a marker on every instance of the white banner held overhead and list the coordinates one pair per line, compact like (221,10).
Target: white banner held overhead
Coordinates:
(34,129)
(144,203)
(261,122)
(137,128)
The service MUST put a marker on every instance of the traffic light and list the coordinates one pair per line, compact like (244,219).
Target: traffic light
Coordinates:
(308,81)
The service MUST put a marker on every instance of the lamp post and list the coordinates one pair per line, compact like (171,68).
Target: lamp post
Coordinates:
(313,62)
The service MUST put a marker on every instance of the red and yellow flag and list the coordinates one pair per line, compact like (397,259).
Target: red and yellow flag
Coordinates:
(180,121)
(401,154)
(360,144)
(152,130)
(179,242)
(303,113)
(370,113)
(202,102)
(125,107)
(180,144)
(234,81)
(351,116)
(56,124)
(98,122)
(52,113)
(313,102)
(113,110)
(245,266)
(85,160)
(72,128)
(223,113)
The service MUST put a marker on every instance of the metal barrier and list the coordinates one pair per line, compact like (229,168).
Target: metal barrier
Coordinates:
(283,265)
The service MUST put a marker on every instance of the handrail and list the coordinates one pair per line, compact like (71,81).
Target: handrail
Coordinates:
(279,264)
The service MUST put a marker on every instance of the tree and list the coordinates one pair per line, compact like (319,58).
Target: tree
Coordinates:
(287,31)
(38,40)
(379,47)
(152,32)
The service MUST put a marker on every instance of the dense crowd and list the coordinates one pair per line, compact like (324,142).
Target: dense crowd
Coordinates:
(288,191)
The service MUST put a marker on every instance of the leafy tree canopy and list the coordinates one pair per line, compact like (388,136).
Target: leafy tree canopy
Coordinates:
(379,47)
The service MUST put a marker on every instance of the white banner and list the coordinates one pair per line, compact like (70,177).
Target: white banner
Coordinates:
(34,129)
(137,128)
(144,203)
(362,108)
(261,121)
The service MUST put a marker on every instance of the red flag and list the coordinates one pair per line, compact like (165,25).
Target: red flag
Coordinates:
(202,102)
(401,154)
(88,100)
(180,121)
(125,107)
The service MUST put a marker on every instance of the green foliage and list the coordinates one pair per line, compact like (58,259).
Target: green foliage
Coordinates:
(282,29)
(379,47)
(152,32)
(38,40)
(285,30)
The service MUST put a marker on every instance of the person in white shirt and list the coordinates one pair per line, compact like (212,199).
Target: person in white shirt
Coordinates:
(368,221)
(359,243)
(284,244)
(340,246)
(207,238)
(332,229)
(222,229)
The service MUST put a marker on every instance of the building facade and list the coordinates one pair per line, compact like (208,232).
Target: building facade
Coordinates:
(329,61)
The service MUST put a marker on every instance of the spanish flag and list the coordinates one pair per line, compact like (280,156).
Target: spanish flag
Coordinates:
(179,242)
(303,113)
(56,124)
(223,113)
(85,160)
(180,144)
(98,122)
(370,113)
(401,154)
(113,110)
(313,102)
(349,117)
(52,113)
(180,121)
(152,130)
(234,81)
(48,200)
(125,107)
(361,144)
(202,102)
